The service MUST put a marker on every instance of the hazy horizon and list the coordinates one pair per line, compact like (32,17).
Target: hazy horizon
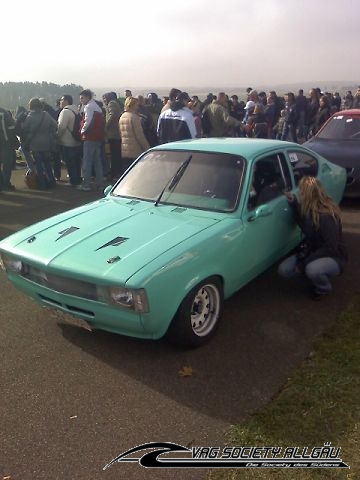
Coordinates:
(158,44)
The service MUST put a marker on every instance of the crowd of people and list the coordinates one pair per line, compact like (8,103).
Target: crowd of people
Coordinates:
(99,139)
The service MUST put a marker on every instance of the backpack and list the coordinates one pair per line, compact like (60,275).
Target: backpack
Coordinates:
(75,132)
(205,122)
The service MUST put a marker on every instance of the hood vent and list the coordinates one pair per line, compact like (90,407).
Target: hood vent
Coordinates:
(179,210)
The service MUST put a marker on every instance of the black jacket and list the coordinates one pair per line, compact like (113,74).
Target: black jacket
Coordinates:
(326,241)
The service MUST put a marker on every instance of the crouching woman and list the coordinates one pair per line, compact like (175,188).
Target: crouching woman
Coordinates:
(322,253)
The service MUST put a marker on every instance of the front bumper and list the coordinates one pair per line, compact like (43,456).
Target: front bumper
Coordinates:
(98,315)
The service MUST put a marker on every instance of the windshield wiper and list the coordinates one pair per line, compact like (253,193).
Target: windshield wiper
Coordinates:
(174,180)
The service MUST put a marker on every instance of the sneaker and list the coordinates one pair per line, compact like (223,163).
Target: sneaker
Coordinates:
(83,188)
(316,295)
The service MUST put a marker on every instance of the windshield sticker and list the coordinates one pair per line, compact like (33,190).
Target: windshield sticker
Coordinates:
(349,120)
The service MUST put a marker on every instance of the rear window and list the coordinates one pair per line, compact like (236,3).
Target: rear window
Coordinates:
(341,127)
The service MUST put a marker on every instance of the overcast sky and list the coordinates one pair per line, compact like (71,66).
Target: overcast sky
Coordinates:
(162,43)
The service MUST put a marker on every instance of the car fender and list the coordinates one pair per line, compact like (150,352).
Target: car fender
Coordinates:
(169,278)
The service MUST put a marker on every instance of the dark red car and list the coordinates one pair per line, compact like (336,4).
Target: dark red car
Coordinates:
(339,142)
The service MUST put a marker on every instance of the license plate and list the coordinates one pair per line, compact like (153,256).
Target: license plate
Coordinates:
(77,322)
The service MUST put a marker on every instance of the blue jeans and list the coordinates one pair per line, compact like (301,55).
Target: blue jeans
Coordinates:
(42,161)
(318,271)
(92,160)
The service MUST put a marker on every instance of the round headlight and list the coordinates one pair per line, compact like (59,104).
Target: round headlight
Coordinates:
(122,296)
(11,264)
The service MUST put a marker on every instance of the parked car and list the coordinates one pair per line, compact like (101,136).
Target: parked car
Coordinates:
(339,142)
(185,227)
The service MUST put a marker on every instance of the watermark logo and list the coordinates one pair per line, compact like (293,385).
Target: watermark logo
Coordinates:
(232,457)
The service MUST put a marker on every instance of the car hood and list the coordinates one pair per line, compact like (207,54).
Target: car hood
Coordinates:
(106,240)
(344,153)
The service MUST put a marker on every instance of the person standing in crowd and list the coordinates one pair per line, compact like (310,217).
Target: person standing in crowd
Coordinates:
(356,99)
(195,107)
(322,254)
(71,148)
(291,118)
(112,133)
(237,111)
(39,133)
(348,100)
(312,109)
(301,105)
(55,152)
(278,128)
(8,144)
(236,108)
(220,119)
(149,127)
(270,114)
(322,114)
(336,102)
(177,122)
(20,117)
(92,134)
(154,106)
(257,126)
(133,140)
(174,92)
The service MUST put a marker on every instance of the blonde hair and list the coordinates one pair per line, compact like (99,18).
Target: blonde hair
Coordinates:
(130,103)
(314,200)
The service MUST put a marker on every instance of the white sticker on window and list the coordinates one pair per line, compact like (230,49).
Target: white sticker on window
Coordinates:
(293,157)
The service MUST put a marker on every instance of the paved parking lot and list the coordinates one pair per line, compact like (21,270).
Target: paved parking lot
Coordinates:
(73,400)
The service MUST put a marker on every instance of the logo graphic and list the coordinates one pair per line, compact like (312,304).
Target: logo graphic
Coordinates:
(233,457)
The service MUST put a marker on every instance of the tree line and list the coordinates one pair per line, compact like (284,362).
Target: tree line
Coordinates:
(15,94)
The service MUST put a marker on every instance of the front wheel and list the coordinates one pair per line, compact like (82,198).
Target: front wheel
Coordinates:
(198,316)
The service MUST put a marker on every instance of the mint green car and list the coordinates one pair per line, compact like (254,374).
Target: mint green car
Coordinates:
(184,228)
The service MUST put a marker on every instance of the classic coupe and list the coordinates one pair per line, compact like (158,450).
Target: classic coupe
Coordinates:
(187,225)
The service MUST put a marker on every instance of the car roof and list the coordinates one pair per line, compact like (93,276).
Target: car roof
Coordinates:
(247,147)
(351,112)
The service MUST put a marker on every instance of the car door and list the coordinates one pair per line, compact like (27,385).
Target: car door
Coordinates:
(269,228)
(305,163)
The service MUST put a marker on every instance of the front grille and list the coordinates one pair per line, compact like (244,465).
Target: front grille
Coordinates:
(69,286)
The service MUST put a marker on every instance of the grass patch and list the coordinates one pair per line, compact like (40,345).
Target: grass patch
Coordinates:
(319,403)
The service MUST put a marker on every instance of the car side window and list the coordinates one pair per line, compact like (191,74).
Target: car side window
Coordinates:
(303,164)
(270,176)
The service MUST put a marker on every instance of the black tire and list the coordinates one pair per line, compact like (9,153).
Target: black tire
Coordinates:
(198,315)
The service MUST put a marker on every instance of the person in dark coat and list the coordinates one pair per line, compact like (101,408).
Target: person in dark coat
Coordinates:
(322,254)
(39,134)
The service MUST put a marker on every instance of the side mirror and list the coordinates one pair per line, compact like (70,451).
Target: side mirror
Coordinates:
(107,190)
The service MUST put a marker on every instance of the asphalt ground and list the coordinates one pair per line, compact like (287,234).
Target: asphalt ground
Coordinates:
(71,400)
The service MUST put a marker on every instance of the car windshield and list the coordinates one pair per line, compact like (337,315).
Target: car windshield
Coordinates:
(341,127)
(203,180)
